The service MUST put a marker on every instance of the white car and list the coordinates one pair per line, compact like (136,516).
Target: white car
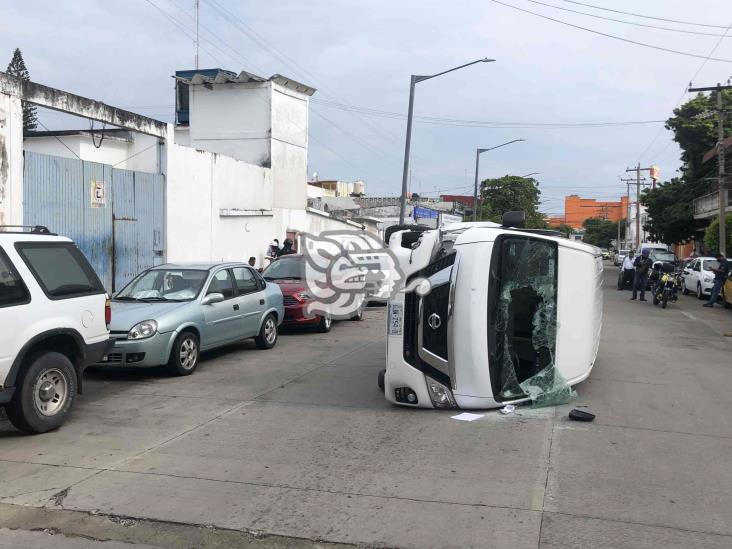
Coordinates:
(54,314)
(491,315)
(698,278)
(619,257)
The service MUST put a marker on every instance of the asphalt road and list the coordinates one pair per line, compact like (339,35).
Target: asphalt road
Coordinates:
(296,447)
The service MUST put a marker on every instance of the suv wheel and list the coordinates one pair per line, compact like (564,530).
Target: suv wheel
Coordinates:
(267,336)
(325,323)
(45,392)
(185,354)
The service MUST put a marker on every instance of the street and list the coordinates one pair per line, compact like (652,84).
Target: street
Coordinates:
(296,446)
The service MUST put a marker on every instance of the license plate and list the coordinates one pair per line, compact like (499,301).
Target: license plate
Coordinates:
(395,319)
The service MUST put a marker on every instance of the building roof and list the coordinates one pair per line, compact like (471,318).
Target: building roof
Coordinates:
(221,76)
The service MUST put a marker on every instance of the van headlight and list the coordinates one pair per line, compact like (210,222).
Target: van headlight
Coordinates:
(143,330)
(440,395)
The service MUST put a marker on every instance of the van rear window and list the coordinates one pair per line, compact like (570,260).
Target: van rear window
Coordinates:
(61,269)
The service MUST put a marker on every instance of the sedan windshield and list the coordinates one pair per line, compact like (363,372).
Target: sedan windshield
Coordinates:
(164,285)
(290,268)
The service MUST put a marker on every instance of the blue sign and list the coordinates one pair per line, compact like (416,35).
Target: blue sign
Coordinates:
(425,213)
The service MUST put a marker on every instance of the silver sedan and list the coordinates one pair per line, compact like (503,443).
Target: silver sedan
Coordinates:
(170,313)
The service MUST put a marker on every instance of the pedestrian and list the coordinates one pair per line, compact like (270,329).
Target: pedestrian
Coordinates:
(628,271)
(252,261)
(642,266)
(272,250)
(720,275)
(286,248)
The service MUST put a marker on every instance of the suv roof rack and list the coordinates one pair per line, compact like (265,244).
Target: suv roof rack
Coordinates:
(29,229)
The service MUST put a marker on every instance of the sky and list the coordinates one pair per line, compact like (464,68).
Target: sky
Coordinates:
(360,55)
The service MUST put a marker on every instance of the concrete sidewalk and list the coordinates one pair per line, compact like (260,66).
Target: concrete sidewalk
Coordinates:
(298,442)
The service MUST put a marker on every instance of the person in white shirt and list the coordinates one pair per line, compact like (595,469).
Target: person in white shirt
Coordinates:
(628,271)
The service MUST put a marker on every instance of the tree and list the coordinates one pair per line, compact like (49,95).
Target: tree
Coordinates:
(511,193)
(599,232)
(564,228)
(17,68)
(669,205)
(711,236)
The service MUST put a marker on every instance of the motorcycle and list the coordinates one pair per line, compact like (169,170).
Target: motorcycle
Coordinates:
(667,284)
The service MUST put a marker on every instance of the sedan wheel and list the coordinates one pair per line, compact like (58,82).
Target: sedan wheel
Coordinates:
(699,293)
(684,289)
(185,354)
(267,336)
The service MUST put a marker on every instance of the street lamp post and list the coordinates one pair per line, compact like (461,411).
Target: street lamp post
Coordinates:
(415,79)
(477,168)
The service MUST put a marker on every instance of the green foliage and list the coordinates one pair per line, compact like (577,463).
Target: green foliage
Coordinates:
(17,68)
(711,236)
(564,228)
(599,232)
(511,193)
(669,205)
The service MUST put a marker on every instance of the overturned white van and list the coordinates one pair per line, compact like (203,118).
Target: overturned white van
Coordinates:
(491,315)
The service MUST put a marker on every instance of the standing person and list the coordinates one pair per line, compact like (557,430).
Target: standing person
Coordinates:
(628,270)
(252,261)
(272,250)
(642,265)
(286,248)
(720,275)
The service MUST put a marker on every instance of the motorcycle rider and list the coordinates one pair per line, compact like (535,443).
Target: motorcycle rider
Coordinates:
(628,271)
(642,265)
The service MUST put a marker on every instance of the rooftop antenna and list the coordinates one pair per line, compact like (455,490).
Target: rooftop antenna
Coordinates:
(196,6)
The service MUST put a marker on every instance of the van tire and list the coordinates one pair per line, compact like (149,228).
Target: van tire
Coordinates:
(325,324)
(47,382)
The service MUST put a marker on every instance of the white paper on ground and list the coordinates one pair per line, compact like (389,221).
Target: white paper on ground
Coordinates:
(467,416)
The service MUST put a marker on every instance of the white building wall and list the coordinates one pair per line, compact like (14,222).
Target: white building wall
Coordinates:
(52,146)
(11,160)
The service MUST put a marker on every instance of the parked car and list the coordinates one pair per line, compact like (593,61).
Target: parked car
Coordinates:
(605,253)
(288,272)
(54,313)
(663,256)
(168,314)
(697,276)
(619,257)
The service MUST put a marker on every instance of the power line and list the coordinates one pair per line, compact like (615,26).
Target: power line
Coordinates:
(607,35)
(685,91)
(325,146)
(480,123)
(59,140)
(646,16)
(626,22)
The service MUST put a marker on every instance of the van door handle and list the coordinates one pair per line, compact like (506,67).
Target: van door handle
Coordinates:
(236,307)
(261,301)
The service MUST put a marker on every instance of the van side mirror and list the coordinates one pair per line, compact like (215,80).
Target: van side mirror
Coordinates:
(514,219)
(210,299)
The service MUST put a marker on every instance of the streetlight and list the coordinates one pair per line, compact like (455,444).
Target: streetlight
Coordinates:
(415,78)
(477,167)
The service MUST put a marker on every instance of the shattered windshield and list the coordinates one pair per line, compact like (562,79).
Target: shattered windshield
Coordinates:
(522,313)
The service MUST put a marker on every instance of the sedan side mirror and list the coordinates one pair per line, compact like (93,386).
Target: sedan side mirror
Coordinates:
(210,299)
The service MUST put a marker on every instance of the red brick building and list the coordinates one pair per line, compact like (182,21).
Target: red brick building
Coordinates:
(577,210)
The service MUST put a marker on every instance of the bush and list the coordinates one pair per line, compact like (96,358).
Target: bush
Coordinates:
(711,236)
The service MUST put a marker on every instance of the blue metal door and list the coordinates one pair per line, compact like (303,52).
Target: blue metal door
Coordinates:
(116,217)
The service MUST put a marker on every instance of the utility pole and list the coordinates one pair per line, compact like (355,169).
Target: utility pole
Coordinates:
(721,175)
(196,6)
(627,182)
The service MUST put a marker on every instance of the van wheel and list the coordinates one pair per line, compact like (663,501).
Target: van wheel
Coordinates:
(358,316)
(45,392)
(267,336)
(325,323)
(185,354)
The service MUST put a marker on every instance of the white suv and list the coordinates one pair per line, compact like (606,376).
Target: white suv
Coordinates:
(53,323)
